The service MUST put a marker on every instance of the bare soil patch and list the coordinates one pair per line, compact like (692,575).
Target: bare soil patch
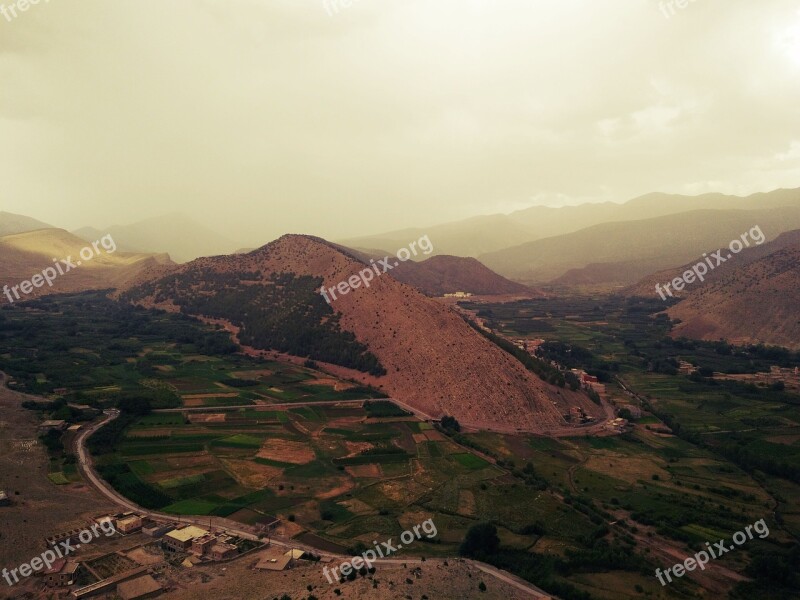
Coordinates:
(372,471)
(435,436)
(289,451)
(251,474)
(355,448)
(39,508)
(207,418)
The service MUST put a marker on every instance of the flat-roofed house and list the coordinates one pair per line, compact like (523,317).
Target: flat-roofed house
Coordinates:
(224,551)
(129,524)
(202,544)
(180,540)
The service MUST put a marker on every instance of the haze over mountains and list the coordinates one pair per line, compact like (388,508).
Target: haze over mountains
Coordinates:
(635,248)
(25,254)
(180,236)
(481,235)
(11,223)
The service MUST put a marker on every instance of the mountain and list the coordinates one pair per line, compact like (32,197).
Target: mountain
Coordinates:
(637,248)
(440,275)
(485,234)
(27,254)
(755,303)
(415,349)
(11,223)
(647,286)
(180,236)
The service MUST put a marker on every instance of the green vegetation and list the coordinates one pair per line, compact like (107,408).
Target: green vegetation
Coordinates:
(283,312)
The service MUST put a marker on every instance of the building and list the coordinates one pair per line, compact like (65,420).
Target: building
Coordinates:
(129,524)
(61,574)
(268,523)
(180,540)
(203,544)
(274,564)
(4,499)
(157,530)
(139,588)
(224,551)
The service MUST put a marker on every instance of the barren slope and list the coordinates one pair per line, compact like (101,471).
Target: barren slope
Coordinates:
(647,286)
(440,275)
(434,361)
(25,254)
(758,303)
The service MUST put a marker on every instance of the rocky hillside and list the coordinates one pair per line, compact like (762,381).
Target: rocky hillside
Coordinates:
(732,306)
(433,360)
(647,286)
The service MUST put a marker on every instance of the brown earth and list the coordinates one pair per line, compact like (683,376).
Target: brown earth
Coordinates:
(288,451)
(39,508)
(432,579)
(733,306)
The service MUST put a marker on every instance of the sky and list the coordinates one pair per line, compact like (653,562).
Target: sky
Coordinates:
(342,118)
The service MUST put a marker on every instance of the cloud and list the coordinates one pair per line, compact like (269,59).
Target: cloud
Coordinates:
(262,118)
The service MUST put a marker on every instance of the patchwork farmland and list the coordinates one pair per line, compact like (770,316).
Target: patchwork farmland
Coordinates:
(334,471)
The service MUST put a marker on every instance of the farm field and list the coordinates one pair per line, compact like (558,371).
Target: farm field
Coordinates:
(340,473)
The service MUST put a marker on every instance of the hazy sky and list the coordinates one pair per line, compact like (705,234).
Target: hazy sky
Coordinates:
(261,117)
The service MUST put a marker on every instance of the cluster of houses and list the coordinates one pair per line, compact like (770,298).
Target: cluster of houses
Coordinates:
(589,382)
(201,544)
(193,544)
(530,346)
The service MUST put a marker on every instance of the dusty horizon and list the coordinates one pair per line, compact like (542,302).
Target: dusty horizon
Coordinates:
(260,120)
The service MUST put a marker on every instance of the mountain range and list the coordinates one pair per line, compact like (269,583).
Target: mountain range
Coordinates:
(482,235)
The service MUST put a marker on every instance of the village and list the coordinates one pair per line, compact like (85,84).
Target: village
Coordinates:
(143,558)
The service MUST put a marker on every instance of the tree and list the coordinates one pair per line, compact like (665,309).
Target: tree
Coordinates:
(482,586)
(481,539)
(450,423)
(135,406)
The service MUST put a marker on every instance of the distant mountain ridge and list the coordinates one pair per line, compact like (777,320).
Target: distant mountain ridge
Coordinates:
(647,286)
(26,254)
(180,236)
(11,223)
(636,247)
(478,236)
